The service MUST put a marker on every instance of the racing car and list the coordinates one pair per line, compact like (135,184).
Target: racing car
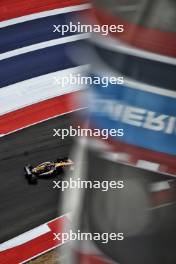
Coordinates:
(47,169)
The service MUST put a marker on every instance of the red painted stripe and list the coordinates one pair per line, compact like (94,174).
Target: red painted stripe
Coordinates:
(21,253)
(38,112)
(162,197)
(14,8)
(150,39)
(168,161)
(34,247)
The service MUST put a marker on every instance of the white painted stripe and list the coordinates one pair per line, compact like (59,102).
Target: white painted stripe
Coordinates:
(149,88)
(159,186)
(38,231)
(43,45)
(147,165)
(116,156)
(38,15)
(29,235)
(26,237)
(117,45)
(161,206)
(113,156)
(37,89)
(59,217)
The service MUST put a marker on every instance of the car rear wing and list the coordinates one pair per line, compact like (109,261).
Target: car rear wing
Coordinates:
(27,170)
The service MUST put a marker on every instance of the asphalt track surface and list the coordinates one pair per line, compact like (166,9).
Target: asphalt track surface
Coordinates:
(25,206)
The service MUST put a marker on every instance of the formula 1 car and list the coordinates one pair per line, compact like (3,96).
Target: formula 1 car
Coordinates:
(47,169)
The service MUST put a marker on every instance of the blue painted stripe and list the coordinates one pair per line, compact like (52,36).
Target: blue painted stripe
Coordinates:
(37,63)
(35,31)
(139,98)
(136,135)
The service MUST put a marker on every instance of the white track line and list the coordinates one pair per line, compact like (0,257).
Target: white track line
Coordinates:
(148,165)
(26,237)
(37,89)
(43,45)
(29,235)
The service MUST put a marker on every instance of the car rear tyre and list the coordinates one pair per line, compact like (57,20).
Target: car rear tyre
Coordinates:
(32,179)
